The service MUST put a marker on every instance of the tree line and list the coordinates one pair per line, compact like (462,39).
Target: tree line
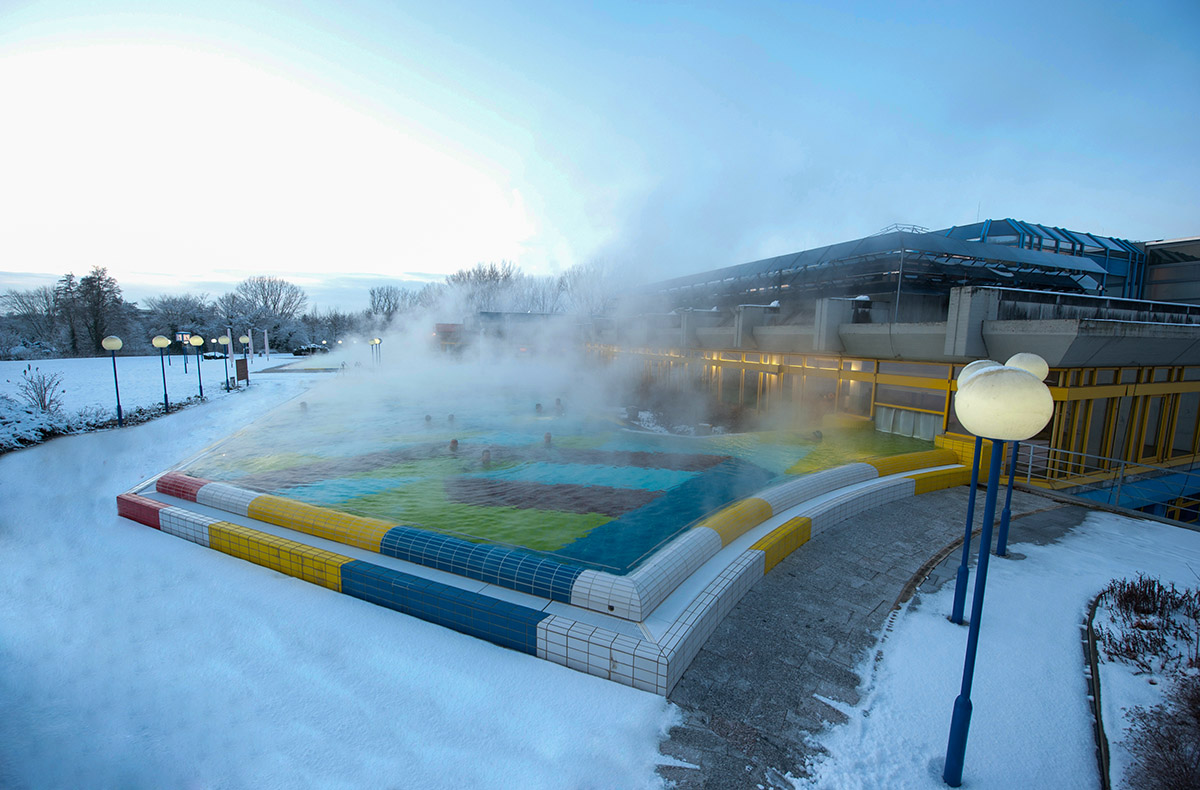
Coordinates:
(71,318)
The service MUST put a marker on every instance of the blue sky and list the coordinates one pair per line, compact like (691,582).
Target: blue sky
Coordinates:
(345,145)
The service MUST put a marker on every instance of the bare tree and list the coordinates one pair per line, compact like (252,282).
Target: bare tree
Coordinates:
(341,325)
(35,312)
(171,314)
(430,295)
(386,300)
(589,287)
(485,287)
(538,294)
(279,298)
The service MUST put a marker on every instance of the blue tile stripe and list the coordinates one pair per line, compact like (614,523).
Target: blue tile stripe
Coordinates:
(626,541)
(500,622)
(516,570)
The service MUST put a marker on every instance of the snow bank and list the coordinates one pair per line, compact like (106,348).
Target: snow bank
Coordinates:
(1031,725)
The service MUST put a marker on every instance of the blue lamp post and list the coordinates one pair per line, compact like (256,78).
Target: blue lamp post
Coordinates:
(1038,367)
(1004,404)
(161,344)
(198,341)
(113,344)
(960,582)
(225,340)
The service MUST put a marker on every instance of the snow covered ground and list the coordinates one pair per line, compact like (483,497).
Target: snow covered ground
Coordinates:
(1031,725)
(88,382)
(130,658)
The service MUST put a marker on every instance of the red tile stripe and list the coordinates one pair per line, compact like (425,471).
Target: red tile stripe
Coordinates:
(180,486)
(140,509)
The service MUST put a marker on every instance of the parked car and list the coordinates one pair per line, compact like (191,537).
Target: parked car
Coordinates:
(311,348)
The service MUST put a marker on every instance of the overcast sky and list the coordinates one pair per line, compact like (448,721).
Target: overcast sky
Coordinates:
(186,145)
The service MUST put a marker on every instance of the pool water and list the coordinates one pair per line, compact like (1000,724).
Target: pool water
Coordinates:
(600,493)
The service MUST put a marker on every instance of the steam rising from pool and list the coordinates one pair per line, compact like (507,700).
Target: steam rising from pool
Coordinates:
(495,444)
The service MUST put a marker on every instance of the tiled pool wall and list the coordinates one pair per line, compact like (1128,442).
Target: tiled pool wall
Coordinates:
(814,503)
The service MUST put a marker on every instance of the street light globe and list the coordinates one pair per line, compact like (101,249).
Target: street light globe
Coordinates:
(377,341)
(324,342)
(196,340)
(223,340)
(112,343)
(160,342)
(972,368)
(1004,403)
(1031,362)
(244,339)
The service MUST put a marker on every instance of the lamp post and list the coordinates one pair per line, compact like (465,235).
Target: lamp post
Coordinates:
(198,341)
(161,343)
(1003,404)
(245,341)
(1038,367)
(376,356)
(224,340)
(960,581)
(113,344)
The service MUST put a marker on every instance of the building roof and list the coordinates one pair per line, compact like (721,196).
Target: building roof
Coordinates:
(935,248)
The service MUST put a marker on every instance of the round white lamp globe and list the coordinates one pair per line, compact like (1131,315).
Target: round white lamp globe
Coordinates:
(1031,362)
(111,343)
(196,340)
(1004,403)
(972,368)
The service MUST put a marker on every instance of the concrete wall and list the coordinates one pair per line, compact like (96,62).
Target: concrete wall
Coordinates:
(785,339)
(1080,343)
(924,342)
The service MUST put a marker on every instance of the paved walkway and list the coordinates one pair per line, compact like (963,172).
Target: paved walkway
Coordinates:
(751,696)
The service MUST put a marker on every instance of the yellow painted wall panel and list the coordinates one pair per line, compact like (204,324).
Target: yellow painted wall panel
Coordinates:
(279,554)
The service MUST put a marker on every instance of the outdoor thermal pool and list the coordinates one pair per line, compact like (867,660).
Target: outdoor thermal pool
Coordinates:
(572,480)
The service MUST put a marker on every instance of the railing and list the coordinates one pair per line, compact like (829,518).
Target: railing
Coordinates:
(1114,481)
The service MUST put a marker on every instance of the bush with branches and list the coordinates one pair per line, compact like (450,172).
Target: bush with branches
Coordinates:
(1155,628)
(41,391)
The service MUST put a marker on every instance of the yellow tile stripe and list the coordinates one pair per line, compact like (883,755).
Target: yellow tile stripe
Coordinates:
(946,478)
(278,554)
(783,540)
(359,531)
(733,521)
(910,461)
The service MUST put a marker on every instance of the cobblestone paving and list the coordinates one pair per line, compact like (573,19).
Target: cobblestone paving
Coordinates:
(752,695)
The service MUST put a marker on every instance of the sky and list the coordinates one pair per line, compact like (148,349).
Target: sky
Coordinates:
(345,145)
